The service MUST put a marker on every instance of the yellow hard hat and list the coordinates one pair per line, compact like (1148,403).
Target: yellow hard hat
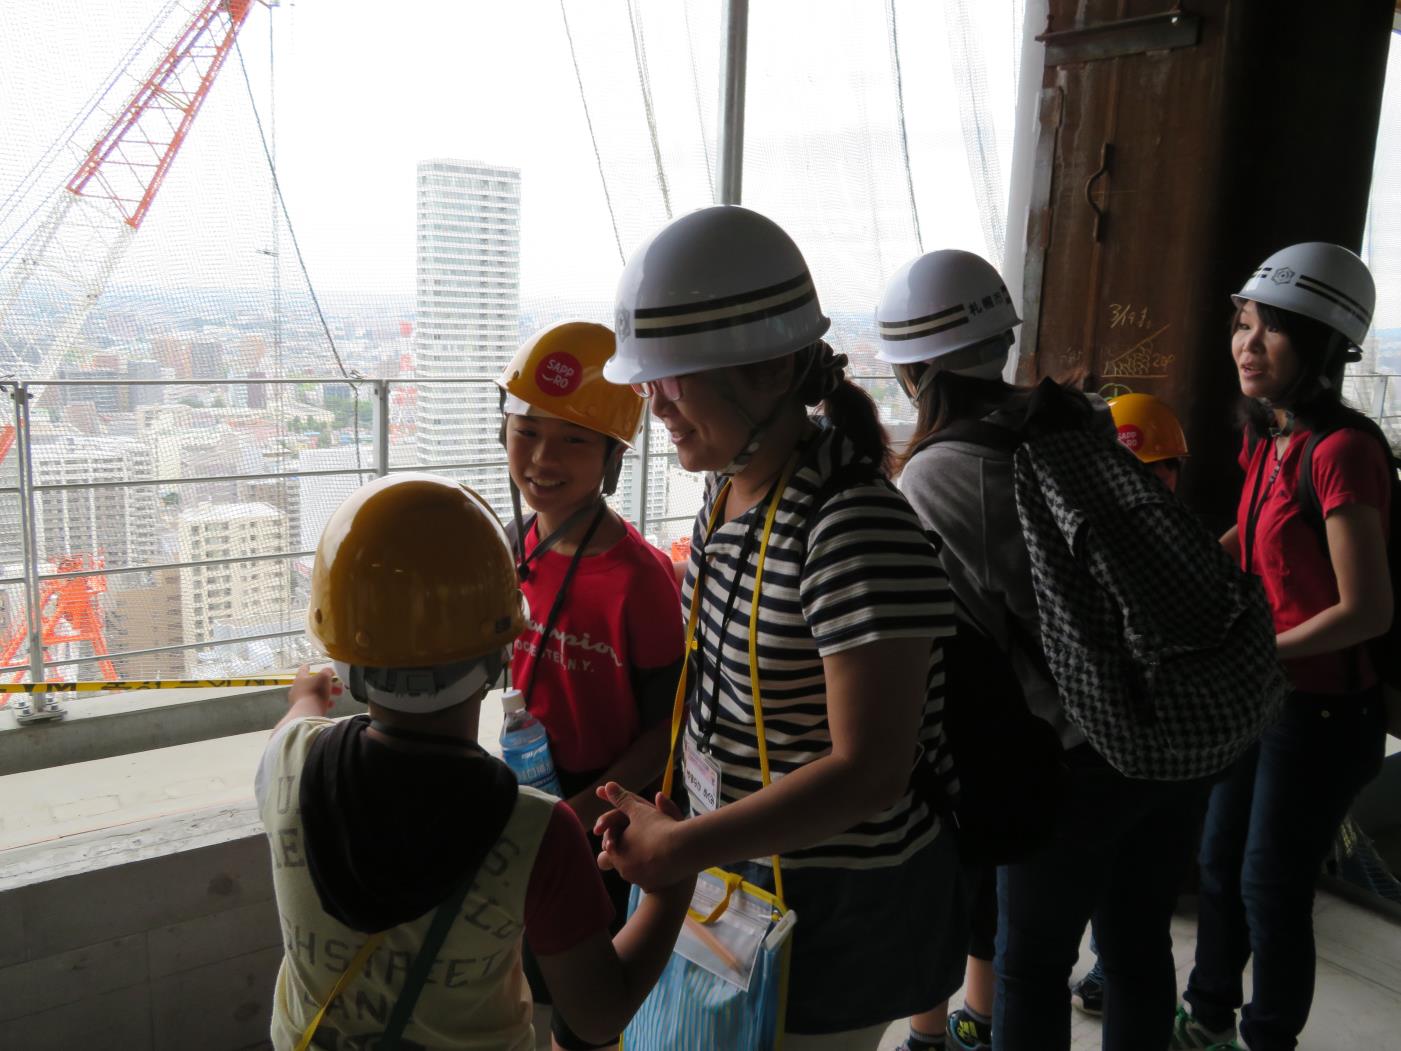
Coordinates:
(559,371)
(413,571)
(1148,427)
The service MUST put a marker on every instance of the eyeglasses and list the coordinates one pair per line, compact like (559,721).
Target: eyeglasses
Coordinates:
(669,387)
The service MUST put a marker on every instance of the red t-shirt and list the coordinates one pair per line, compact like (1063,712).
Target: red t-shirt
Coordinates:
(622,612)
(1349,467)
(565,900)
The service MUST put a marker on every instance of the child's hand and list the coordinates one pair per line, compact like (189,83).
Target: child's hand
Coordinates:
(640,840)
(319,689)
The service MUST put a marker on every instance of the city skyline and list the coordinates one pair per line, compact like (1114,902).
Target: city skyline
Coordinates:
(213,288)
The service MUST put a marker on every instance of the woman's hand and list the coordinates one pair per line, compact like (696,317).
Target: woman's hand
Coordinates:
(642,842)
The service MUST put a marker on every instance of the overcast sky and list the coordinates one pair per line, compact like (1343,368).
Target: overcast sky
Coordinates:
(365,89)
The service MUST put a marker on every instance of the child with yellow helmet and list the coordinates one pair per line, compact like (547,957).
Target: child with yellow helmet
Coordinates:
(599,658)
(1149,429)
(395,928)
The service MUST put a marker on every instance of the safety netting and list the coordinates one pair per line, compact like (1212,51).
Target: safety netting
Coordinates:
(292,316)
(1372,384)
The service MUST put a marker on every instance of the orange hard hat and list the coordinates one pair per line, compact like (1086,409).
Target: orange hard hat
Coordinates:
(1148,427)
(413,571)
(559,372)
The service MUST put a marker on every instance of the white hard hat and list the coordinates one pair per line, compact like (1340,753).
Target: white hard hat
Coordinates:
(939,303)
(718,287)
(1319,280)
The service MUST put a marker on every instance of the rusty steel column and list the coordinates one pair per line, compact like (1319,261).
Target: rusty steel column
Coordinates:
(1179,145)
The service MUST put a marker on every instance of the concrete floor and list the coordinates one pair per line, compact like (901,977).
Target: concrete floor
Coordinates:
(1357,1001)
(1357,1005)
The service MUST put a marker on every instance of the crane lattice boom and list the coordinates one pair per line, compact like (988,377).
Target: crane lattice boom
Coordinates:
(63,267)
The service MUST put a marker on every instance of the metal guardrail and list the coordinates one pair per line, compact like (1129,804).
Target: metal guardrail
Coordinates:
(29,489)
(1378,398)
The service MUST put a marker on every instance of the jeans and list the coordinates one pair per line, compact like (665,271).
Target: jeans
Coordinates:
(1119,854)
(1269,826)
(980,882)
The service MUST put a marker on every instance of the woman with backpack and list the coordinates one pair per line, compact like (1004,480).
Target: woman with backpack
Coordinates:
(945,324)
(1313,523)
(719,325)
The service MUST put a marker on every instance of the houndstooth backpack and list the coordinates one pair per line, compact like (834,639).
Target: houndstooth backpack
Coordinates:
(1162,649)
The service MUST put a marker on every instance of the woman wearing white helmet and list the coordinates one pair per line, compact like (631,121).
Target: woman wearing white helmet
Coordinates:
(1313,522)
(719,324)
(945,324)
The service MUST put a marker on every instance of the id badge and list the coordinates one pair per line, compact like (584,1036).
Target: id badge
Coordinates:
(702,775)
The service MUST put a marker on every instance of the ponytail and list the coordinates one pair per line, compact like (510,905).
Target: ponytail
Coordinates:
(847,406)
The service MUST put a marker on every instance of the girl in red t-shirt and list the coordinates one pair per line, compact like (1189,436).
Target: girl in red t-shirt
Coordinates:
(1271,821)
(600,656)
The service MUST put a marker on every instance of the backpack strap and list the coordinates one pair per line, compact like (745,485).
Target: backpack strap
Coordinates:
(1000,439)
(413,983)
(422,966)
(1307,496)
(1305,492)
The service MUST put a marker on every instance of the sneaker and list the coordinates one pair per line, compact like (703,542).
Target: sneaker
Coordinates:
(913,1043)
(967,1033)
(1088,993)
(1187,1032)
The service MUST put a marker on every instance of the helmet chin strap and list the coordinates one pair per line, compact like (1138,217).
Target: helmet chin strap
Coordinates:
(751,445)
(984,360)
(758,430)
(613,466)
(523,561)
(1338,355)
(612,472)
(1273,407)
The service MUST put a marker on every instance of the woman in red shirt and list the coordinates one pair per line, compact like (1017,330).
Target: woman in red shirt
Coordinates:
(1269,824)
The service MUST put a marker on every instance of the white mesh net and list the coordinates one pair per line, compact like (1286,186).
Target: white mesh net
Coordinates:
(1371,384)
(457,176)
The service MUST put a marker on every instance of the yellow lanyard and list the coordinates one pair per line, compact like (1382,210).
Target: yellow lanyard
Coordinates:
(347,976)
(678,711)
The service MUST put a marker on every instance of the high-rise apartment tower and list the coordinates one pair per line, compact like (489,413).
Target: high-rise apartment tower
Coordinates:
(468,306)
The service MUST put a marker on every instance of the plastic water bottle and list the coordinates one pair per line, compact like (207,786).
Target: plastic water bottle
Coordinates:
(525,746)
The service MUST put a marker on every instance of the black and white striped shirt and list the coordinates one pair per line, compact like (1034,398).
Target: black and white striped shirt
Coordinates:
(856,570)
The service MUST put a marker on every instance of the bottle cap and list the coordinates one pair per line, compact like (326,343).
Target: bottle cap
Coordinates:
(512,701)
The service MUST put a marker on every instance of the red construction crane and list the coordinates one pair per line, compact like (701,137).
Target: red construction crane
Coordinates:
(68,614)
(71,256)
